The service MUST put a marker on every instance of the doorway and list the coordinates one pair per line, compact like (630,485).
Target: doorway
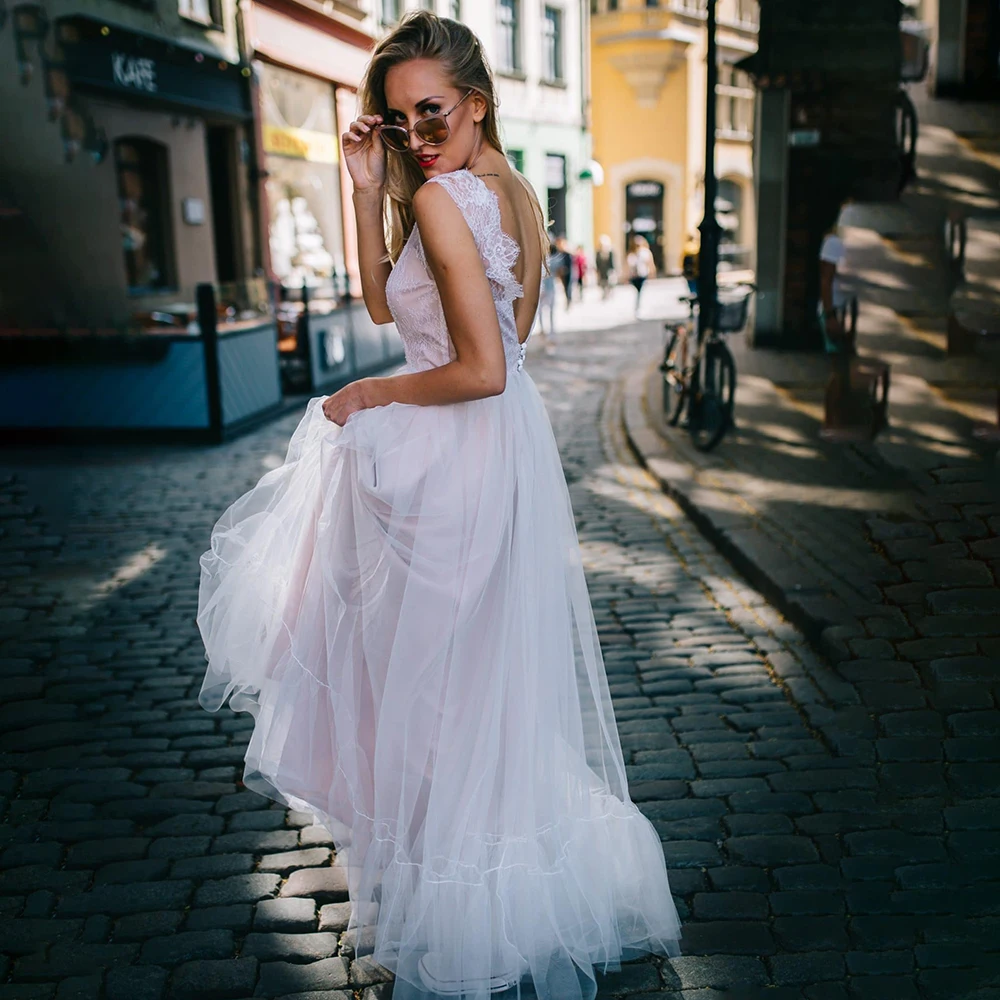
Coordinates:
(644,217)
(555,190)
(222,182)
(982,48)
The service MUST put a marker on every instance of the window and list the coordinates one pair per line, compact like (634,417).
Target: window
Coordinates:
(143,194)
(552,67)
(516,159)
(652,3)
(427,4)
(391,11)
(455,10)
(508,41)
(305,230)
(203,11)
(734,103)
(612,4)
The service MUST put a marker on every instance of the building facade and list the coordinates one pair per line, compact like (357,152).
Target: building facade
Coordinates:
(126,154)
(648,119)
(307,60)
(828,129)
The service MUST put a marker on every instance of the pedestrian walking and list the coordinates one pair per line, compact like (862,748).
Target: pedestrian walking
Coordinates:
(604,264)
(691,262)
(641,266)
(401,604)
(564,268)
(580,267)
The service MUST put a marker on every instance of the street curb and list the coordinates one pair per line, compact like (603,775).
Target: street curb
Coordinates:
(736,536)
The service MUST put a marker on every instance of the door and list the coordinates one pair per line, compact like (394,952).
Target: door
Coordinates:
(555,189)
(221,141)
(644,216)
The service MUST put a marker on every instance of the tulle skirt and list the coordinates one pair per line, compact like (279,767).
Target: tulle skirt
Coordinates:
(402,607)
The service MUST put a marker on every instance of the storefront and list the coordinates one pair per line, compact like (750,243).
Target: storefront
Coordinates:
(305,83)
(133,241)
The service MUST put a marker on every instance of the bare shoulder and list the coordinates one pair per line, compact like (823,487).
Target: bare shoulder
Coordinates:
(430,198)
(442,224)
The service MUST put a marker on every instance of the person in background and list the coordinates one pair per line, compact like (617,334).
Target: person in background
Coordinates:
(580,267)
(564,267)
(832,298)
(640,267)
(604,262)
(690,261)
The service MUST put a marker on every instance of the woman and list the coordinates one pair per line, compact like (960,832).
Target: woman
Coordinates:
(604,262)
(402,606)
(580,267)
(640,267)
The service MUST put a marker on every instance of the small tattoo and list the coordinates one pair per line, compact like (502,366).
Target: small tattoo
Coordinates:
(487,175)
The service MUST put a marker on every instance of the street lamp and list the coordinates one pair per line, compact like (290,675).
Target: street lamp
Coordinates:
(708,262)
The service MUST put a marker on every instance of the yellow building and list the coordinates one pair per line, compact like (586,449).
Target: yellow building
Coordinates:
(648,123)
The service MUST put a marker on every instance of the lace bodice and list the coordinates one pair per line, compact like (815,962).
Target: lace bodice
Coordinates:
(412,293)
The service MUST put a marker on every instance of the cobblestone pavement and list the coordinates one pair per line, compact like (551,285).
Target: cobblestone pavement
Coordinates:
(134,866)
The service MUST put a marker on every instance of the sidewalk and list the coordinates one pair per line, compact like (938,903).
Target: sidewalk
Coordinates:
(775,496)
(886,554)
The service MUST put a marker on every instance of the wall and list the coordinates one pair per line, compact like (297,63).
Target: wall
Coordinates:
(649,90)
(75,211)
(642,125)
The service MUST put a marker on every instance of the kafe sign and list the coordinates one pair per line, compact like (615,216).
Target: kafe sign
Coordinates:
(133,72)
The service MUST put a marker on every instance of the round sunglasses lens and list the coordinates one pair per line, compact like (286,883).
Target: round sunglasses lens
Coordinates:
(395,138)
(432,130)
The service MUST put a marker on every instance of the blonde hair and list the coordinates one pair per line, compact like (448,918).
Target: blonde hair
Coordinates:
(423,35)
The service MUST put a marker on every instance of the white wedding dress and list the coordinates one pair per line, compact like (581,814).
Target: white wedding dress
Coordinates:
(402,607)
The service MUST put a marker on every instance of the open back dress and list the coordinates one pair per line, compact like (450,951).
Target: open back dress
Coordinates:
(402,607)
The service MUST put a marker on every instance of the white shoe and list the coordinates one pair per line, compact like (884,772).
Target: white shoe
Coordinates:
(430,971)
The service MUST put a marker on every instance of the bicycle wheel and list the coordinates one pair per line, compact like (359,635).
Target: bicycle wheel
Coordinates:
(712,413)
(674,376)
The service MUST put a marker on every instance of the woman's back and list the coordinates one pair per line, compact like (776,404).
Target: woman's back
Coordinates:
(519,220)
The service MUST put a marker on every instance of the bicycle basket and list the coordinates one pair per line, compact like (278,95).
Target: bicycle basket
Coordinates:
(731,313)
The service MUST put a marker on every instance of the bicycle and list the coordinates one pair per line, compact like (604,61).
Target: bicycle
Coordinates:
(710,407)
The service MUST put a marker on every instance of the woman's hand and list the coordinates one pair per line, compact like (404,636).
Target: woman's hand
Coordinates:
(352,398)
(365,153)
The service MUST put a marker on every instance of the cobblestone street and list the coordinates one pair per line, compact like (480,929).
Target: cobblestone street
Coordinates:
(813,856)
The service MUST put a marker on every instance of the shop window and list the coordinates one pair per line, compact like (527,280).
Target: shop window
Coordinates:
(734,104)
(143,194)
(203,11)
(303,181)
(508,36)
(552,43)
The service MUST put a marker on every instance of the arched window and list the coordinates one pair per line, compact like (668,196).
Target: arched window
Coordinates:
(144,200)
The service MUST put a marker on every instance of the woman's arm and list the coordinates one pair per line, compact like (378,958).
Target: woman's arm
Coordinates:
(373,257)
(480,368)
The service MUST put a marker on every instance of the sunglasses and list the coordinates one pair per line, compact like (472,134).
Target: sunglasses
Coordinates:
(434,131)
